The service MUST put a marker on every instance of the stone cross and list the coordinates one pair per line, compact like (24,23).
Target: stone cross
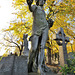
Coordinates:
(26,50)
(62,41)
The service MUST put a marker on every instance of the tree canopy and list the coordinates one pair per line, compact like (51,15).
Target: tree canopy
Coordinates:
(63,14)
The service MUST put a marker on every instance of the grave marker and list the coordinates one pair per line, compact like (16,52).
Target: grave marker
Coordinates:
(62,41)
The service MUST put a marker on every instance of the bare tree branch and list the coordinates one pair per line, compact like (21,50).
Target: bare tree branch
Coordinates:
(13,43)
(7,45)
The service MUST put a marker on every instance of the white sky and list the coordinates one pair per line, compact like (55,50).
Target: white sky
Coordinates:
(5,16)
(5,13)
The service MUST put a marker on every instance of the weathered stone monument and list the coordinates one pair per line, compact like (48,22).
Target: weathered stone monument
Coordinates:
(6,65)
(14,65)
(62,41)
(39,37)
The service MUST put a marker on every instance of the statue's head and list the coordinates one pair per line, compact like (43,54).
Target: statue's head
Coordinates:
(40,2)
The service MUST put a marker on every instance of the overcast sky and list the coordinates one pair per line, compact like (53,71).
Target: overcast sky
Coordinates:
(5,13)
(5,16)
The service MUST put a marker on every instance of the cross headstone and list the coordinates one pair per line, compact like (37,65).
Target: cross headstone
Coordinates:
(26,50)
(62,41)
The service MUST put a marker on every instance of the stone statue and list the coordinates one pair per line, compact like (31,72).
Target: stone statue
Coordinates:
(39,36)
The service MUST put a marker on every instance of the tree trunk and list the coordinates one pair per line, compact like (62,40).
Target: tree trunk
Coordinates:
(21,49)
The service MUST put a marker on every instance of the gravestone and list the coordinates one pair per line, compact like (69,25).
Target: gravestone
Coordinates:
(6,65)
(14,65)
(20,66)
(62,41)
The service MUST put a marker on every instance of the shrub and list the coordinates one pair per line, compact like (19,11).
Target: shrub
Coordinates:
(70,68)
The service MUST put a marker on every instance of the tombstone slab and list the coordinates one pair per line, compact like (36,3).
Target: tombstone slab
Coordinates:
(6,65)
(14,65)
(20,66)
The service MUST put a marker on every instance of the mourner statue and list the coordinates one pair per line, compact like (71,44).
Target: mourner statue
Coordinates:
(39,36)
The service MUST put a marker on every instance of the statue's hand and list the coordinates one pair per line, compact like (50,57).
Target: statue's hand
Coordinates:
(29,2)
(50,22)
